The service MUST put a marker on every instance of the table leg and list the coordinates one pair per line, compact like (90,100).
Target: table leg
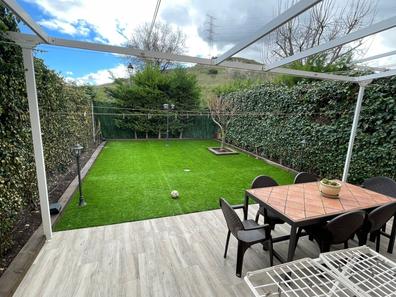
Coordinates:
(292,243)
(245,209)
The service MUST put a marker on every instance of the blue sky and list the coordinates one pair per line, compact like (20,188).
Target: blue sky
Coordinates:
(111,21)
(69,62)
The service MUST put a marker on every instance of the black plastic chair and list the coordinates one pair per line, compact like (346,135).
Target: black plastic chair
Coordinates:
(263,181)
(374,222)
(338,230)
(381,184)
(246,232)
(305,177)
(386,186)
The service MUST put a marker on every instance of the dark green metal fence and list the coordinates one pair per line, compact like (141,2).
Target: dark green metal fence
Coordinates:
(110,118)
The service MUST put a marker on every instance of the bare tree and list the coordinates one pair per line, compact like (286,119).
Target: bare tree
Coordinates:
(223,111)
(163,38)
(322,23)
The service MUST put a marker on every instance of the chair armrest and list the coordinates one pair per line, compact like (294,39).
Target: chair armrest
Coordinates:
(265,226)
(238,206)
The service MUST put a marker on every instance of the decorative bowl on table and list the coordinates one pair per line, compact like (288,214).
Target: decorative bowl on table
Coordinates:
(329,188)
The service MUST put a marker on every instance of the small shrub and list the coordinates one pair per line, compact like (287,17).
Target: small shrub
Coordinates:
(213,71)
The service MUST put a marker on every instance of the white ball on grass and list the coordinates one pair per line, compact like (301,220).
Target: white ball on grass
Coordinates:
(175,194)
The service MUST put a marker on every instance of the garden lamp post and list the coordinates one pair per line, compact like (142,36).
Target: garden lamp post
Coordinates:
(130,71)
(302,149)
(168,107)
(77,152)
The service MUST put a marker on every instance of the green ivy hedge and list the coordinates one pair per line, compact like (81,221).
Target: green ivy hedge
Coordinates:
(307,126)
(65,120)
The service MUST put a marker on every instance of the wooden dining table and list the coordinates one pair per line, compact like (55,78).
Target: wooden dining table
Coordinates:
(301,205)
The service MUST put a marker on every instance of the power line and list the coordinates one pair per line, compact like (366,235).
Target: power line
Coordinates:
(161,113)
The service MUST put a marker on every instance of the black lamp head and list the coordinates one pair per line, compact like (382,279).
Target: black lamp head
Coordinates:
(77,149)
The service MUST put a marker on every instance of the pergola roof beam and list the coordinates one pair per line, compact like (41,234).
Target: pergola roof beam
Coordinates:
(28,38)
(370,30)
(21,38)
(379,56)
(287,71)
(25,17)
(377,75)
(283,18)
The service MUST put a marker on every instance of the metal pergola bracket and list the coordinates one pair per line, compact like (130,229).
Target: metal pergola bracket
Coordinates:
(25,17)
(365,83)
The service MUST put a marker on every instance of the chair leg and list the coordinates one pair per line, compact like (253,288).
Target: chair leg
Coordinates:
(373,236)
(346,244)
(362,238)
(392,236)
(324,247)
(227,241)
(242,247)
(377,245)
(257,217)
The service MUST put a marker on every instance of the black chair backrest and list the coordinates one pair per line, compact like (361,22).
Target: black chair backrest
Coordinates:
(263,181)
(233,221)
(381,184)
(305,177)
(342,227)
(379,216)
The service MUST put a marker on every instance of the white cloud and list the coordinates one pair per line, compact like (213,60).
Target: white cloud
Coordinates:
(111,22)
(104,18)
(80,27)
(100,77)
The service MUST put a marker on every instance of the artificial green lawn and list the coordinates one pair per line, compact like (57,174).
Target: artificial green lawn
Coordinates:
(132,180)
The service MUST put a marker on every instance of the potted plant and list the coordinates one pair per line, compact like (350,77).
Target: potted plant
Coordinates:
(329,188)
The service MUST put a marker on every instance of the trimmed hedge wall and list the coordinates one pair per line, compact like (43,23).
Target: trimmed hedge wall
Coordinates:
(307,127)
(65,120)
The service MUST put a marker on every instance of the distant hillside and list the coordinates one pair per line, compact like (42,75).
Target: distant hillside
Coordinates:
(208,77)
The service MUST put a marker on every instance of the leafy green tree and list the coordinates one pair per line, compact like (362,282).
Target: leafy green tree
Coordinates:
(144,95)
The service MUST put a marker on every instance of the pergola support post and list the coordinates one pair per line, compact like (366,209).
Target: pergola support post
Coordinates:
(93,122)
(31,90)
(362,86)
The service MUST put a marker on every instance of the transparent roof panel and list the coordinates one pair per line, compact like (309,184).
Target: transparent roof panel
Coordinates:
(212,27)
(326,21)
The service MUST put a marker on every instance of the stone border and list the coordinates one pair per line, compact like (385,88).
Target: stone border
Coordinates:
(264,159)
(16,271)
(215,151)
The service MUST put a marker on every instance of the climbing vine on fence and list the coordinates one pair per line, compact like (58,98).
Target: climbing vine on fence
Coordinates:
(307,126)
(65,120)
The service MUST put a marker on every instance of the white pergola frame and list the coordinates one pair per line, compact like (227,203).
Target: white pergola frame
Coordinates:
(28,42)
